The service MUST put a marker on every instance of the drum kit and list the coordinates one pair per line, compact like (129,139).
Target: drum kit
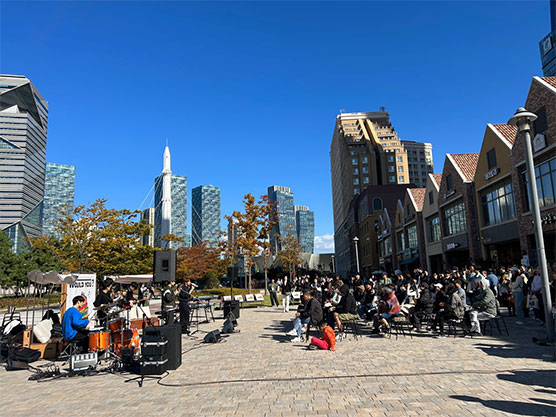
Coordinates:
(115,335)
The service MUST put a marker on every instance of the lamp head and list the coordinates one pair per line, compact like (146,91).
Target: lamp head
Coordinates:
(355,239)
(522,119)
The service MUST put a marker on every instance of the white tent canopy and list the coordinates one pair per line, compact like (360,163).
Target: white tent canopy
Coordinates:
(128,279)
(51,277)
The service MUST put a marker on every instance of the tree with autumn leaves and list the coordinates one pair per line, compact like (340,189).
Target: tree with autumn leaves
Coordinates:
(97,239)
(253,227)
(290,254)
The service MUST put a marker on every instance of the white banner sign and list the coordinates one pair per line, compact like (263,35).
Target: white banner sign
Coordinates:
(85,286)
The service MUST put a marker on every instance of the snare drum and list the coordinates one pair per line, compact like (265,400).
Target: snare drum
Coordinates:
(116,325)
(99,340)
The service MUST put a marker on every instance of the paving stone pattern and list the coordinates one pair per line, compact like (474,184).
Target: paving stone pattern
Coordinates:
(259,373)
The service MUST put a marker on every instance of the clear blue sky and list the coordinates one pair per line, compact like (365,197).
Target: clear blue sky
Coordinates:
(247,93)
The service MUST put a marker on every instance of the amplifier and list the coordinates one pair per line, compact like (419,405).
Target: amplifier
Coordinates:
(83,361)
(154,365)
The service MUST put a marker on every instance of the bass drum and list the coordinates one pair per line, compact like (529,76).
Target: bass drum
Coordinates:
(130,339)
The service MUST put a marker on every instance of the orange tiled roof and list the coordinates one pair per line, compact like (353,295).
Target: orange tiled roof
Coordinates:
(550,80)
(418,195)
(509,132)
(437,178)
(467,163)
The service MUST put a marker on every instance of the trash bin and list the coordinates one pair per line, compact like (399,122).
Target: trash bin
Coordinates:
(231,307)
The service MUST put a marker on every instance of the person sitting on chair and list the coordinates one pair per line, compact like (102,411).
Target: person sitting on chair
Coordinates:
(388,307)
(346,310)
(73,325)
(309,312)
(484,306)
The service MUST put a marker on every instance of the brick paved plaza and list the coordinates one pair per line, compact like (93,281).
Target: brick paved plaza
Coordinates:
(257,373)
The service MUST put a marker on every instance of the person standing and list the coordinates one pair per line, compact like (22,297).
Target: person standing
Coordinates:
(516,285)
(169,303)
(273,288)
(286,291)
(184,297)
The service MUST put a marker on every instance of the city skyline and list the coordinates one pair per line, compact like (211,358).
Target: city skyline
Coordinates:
(494,77)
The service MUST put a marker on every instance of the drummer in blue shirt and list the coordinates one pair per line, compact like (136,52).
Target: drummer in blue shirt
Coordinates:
(73,325)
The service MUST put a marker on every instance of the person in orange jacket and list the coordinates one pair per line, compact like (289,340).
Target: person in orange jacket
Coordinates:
(328,341)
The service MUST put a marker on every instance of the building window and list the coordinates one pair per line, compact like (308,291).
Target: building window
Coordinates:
(431,197)
(399,158)
(356,181)
(352,153)
(355,191)
(545,174)
(402,179)
(449,182)
(491,158)
(377,204)
(401,242)
(355,171)
(498,204)
(454,219)
(365,180)
(434,229)
(354,161)
(365,170)
(365,160)
(400,169)
(390,158)
(412,236)
(392,178)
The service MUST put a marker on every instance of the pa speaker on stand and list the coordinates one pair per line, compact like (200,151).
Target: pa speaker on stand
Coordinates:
(164,265)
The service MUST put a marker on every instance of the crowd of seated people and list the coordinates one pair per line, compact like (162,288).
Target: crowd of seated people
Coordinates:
(465,296)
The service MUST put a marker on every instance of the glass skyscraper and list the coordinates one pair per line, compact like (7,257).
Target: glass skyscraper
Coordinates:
(23,130)
(59,190)
(305,225)
(178,224)
(547,45)
(205,214)
(285,221)
(147,216)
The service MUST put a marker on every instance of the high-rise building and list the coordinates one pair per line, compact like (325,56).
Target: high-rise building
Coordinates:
(170,210)
(305,225)
(285,215)
(147,216)
(547,45)
(205,214)
(23,130)
(365,150)
(59,190)
(419,161)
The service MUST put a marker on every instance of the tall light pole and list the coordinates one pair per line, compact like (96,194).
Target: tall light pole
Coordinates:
(522,119)
(333,264)
(356,240)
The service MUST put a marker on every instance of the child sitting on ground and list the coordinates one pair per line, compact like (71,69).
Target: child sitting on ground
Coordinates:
(328,341)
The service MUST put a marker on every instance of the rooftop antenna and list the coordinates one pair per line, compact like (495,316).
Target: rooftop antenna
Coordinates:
(382,108)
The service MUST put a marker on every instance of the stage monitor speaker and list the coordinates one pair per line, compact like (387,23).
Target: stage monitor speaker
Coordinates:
(213,337)
(231,306)
(164,265)
(173,334)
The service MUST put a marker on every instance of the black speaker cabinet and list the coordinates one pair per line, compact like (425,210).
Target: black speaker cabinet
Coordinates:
(173,351)
(213,337)
(164,265)
(231,307)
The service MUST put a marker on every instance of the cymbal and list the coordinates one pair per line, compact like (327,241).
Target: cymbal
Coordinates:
(104,306)
(114,313)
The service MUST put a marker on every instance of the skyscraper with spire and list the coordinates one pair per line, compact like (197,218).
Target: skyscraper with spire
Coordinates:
(170,210)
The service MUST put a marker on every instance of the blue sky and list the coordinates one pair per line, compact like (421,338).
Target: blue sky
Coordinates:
(247,92)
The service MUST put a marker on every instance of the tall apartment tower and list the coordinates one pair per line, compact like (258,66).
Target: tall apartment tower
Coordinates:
(285,221)
(547,45)
(419,161)
(365,150)
(205,214)
(147,216)
(23,130)
(170,205)
(305,225)
(59,191)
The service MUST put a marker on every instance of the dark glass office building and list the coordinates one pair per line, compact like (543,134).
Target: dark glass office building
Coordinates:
(547,45)
(205,214)
(59,190)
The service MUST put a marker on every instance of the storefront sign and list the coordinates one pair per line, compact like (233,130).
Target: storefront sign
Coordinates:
(539,142)
(451,246)
(449,194)
(492,173)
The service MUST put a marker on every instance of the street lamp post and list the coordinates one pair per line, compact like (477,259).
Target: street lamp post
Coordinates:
(522,119)
(333,264)
(356,240)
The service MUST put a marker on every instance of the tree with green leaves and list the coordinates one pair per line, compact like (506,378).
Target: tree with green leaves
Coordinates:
(12,269)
